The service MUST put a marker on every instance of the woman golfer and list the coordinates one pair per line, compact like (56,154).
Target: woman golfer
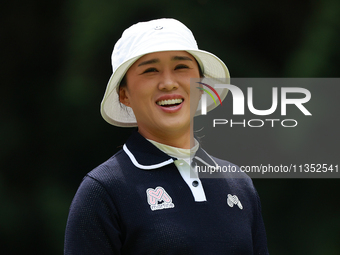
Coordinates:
(146,199)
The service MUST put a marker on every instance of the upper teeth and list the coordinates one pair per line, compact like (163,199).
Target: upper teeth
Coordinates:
(170,101)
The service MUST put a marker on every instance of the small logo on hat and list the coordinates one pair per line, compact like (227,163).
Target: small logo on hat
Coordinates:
(158,27)
(159,199)
(233,200)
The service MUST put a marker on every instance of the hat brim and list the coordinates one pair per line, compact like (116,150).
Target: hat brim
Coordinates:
(119,115)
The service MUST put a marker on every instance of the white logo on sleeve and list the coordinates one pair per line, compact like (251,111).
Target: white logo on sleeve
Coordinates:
(233,200)
(159,199)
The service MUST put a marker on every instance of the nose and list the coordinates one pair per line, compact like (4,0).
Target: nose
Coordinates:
(167,81)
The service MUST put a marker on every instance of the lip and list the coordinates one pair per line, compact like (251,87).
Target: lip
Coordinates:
(170,109)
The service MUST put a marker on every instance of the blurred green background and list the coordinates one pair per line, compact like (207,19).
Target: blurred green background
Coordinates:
(54,68)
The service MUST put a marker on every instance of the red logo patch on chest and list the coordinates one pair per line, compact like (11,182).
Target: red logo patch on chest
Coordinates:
(159,199)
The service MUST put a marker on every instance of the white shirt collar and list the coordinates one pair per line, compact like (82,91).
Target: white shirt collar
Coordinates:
(176,152)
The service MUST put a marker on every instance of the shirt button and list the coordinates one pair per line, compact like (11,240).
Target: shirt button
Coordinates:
(181,164)
(195,183)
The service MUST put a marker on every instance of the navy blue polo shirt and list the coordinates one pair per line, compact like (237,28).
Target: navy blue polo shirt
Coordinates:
(138,203)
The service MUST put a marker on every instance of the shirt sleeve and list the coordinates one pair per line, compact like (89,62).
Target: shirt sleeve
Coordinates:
(93,224)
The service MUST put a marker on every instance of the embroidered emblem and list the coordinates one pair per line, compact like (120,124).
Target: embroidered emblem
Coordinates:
(159,199)
(233,200)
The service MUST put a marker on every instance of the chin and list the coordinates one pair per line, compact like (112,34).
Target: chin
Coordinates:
(175,126)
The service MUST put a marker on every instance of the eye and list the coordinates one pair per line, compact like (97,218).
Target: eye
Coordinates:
(150,70)
(181,66)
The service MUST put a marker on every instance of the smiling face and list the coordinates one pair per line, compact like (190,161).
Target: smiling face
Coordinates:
(158,91)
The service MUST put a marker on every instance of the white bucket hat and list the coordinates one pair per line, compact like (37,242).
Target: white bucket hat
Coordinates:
(148,37)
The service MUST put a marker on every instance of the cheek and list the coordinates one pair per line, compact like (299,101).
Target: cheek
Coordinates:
(140,98)
(195,96)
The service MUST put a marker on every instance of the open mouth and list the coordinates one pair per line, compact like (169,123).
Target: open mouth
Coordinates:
(170,102)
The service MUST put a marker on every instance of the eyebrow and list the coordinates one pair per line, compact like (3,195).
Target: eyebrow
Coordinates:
(181,58)
(148,62)
(156,60)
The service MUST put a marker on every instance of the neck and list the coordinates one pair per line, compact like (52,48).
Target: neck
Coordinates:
(179,139)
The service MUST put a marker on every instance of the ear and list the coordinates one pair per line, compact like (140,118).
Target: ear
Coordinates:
(124,96)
